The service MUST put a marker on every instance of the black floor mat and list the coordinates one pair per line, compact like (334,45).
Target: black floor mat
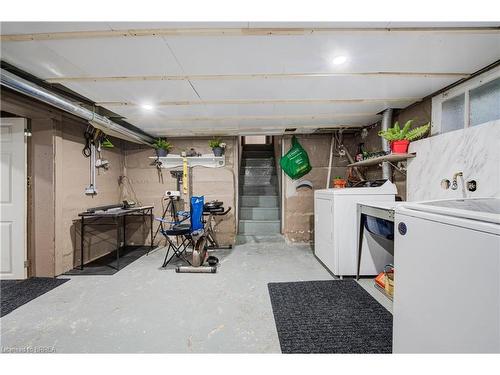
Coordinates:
(106,265)
(15,293)
(336,316)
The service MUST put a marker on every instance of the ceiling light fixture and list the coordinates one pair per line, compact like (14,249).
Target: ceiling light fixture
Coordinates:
(339,60)
(147,107)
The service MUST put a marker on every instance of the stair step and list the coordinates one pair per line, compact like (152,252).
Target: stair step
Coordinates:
(267,147)
(258,190)
(257,154)
(257,162)
(255,238)
(259,180)
(258,171)
(259,213)
(261,227)
(259,201)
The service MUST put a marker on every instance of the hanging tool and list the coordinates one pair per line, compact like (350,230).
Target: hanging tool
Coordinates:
(93,138)
(343,151)
(92,188)
(88,135)
(100,162)
(106,143)
(159,168)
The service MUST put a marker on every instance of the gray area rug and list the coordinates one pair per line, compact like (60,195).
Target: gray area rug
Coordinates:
(107,264)
(333,316)
(15,293)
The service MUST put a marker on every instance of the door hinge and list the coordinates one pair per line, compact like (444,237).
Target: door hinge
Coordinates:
(27,263)
(28,182)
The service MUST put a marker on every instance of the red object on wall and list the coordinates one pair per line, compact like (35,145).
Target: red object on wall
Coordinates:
(400,147)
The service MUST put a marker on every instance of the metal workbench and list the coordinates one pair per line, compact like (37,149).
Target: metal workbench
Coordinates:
(116,215)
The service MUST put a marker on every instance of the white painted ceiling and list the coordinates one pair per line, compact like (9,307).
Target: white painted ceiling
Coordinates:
(124,72)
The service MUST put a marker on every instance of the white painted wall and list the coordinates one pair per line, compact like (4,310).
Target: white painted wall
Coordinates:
(474,151)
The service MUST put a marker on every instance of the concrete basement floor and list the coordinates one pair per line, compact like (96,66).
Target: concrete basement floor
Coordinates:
(144,308)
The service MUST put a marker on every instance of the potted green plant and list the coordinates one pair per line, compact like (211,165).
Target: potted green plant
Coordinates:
(339,182)
(400,138)
(162,147)
(217,146)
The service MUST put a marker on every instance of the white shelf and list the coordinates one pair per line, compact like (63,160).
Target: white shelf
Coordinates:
(205,160)
(391,157)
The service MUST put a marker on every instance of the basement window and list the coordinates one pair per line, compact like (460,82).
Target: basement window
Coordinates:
(474,102)
(485,103)
(452,114)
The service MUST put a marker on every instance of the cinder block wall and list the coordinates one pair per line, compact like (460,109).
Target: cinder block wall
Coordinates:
(141,182)
(72,176)
(144,183)
(299,204)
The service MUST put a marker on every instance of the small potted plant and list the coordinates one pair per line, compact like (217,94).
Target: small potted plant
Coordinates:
(162,147)
(400,138)
(217,146)
(339,182)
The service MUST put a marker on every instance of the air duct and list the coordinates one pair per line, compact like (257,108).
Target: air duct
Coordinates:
(34,91)
(386,124)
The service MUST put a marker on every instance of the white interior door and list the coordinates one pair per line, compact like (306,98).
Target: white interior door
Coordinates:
(13,199)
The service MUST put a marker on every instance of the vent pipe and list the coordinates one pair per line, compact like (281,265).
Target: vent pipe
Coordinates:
(34,91)
(386,124)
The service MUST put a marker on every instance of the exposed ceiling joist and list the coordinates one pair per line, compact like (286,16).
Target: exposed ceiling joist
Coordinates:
(174,132)
(261,101)
(206,77)
(273,117)
(228,32)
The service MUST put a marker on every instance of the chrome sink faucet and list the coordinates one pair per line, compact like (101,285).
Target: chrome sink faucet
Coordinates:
(454,183)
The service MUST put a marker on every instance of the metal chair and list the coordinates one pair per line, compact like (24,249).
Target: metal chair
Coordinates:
(186,231)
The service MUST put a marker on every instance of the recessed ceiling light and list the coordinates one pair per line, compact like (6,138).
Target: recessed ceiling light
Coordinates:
(147,107)
(339,60)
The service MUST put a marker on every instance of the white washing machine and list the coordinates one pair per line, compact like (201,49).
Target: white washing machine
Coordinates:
(447,277)
(336,228)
